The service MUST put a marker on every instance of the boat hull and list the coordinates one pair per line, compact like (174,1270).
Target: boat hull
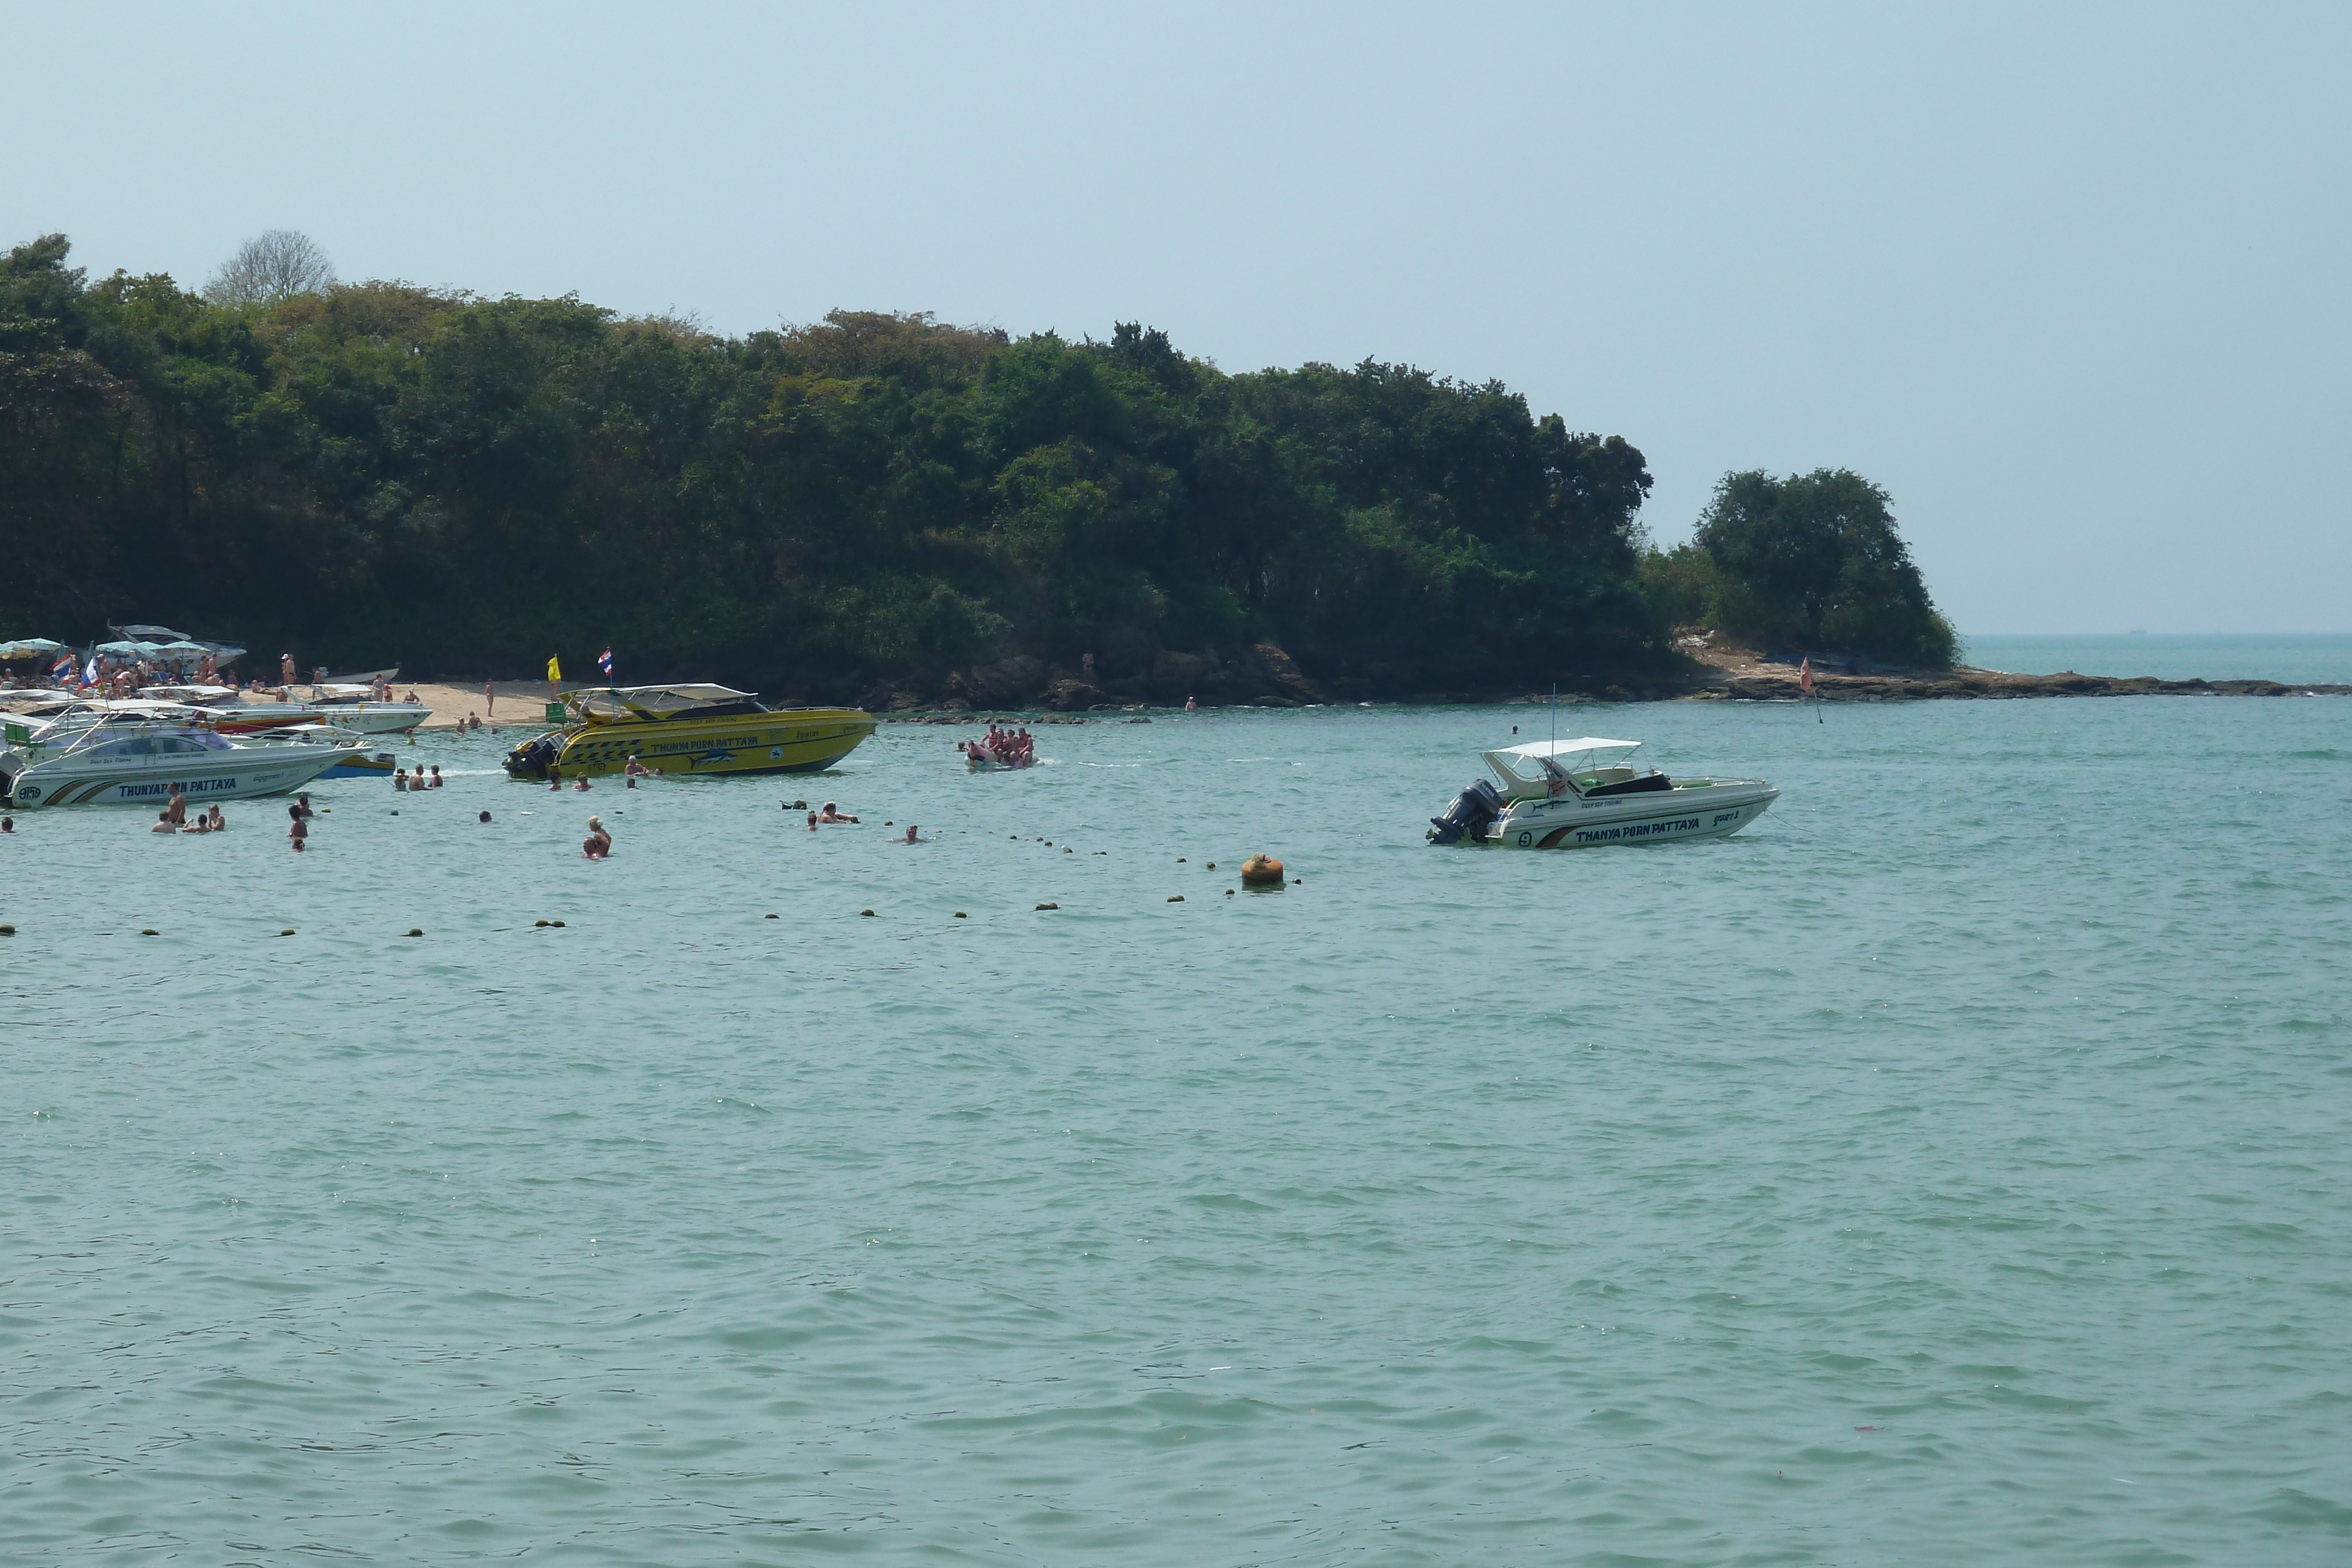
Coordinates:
(806,740)
(359,718)
(237,777)
(1713,811)
(362,764)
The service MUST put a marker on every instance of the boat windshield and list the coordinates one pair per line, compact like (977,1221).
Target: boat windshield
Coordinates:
(1549,768)
(609,705)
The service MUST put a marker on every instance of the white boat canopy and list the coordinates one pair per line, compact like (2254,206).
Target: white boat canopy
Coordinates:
(1576,748)
(650,702)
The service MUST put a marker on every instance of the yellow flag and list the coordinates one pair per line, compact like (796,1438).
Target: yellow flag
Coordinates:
(554,671)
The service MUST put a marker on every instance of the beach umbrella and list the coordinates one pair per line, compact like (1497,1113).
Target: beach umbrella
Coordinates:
(27,647)
(129,650)
(185,649)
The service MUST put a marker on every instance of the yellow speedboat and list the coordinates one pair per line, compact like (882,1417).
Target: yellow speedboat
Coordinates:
(694,729)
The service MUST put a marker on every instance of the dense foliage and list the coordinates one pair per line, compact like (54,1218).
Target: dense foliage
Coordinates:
(1809,562)
(375,474)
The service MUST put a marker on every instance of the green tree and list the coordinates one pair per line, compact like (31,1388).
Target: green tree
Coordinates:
(1817,555)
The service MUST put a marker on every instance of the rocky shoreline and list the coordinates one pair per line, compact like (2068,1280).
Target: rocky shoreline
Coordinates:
(1264,675)
(1780,684)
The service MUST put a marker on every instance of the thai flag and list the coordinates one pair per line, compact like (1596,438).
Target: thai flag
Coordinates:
(605,660)
(62,668)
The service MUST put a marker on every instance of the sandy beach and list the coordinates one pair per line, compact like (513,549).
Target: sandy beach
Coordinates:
(519,703)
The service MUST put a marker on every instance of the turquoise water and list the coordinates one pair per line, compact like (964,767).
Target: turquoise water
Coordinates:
(2173,657)
(1951,1168)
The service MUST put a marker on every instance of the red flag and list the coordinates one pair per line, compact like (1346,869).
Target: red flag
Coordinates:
(1805,676)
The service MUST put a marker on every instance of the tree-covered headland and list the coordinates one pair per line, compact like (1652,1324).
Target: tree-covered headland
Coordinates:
(873,507)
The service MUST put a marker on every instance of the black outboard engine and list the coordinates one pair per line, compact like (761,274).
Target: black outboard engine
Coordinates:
(1473,812)
(532,760)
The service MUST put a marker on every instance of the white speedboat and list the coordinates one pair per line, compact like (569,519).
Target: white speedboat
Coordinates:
(109,758)
(1573,794)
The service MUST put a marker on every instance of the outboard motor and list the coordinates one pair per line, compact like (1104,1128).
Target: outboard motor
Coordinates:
(1473,812)
(532,760)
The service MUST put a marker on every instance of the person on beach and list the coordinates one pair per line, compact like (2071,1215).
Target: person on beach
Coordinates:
(598,843)
(176,810)
(285,671)
(490,698)
(832,813)
(163,823)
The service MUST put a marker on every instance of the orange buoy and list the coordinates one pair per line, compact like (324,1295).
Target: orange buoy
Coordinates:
(1261,871)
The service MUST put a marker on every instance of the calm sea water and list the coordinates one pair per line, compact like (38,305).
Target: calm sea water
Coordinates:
(2323,659)
(1952,1168)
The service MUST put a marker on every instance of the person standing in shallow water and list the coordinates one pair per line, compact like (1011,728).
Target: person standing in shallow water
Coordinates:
(598,843)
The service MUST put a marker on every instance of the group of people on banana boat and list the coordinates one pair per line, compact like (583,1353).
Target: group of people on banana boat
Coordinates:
(1005,747)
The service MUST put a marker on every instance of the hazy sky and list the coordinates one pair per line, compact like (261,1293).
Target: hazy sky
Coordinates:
(2071,282)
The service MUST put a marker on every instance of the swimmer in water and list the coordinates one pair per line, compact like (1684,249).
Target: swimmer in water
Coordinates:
(598,843)
(812,822)
(301,830)
(580,785)
(912,836)
(164,822)
(833,813)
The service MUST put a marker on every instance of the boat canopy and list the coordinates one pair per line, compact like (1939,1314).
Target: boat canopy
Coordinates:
(610,703)
(1576,748)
